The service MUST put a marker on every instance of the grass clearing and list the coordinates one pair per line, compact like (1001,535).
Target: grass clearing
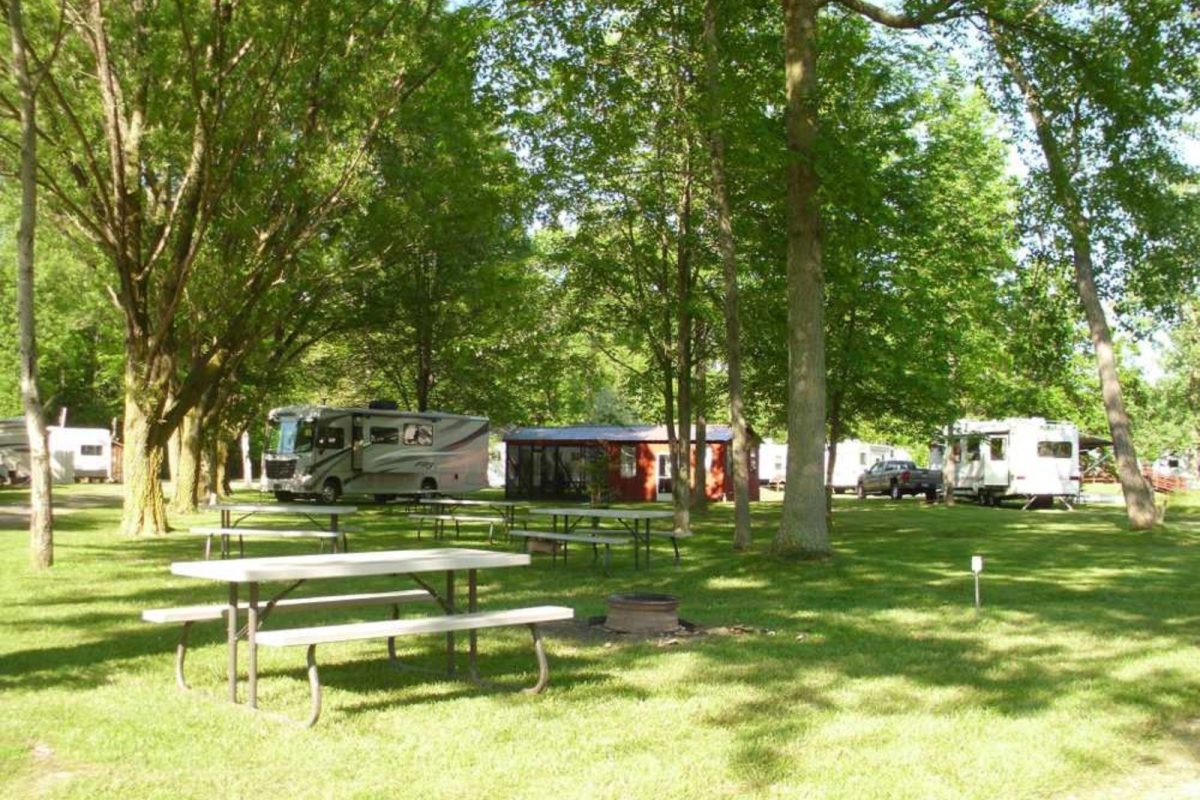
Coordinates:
(867,676)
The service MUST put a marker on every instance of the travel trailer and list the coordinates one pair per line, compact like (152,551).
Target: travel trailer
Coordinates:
(324,452)
(854,457)
(1020,457)
(74,452)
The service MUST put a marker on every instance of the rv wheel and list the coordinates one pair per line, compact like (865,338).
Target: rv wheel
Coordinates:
(331,491)
(429,485)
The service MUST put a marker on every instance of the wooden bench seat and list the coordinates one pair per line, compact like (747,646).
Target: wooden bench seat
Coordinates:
(390,629)
(593,537)
(333,537)
(440,520)
(187,615)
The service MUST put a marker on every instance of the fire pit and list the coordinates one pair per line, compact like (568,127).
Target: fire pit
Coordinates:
(642,612)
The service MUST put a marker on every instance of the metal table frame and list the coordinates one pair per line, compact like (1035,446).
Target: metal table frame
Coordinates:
(629,519)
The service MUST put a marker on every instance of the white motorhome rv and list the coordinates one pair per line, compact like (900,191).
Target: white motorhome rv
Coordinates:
(1022,457)
(74,452)
(325,452)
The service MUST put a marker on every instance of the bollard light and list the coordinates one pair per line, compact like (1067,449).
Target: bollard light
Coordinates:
(977,568)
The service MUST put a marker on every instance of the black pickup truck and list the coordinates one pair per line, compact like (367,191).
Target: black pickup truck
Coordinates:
(898,478)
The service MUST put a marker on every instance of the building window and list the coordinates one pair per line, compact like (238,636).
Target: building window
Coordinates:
(385,435)
(91,450)
(628,462)
(418,434)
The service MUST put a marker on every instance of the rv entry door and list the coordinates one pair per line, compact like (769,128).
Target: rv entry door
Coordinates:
(356,443)
(995,471)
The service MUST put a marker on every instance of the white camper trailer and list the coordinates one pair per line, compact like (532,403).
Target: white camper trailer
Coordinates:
(1022,457)
(325,452)
(855,457)
(74,452)
(772,463)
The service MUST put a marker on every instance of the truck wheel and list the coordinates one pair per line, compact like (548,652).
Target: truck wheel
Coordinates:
(331,491)
(862,492)
(931,496)
(895,493)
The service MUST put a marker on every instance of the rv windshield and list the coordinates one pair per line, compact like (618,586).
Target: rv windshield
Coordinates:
(290,435)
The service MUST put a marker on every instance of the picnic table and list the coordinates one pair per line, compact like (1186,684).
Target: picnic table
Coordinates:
(250,573)
(633,520)
(232,514)
(505,508)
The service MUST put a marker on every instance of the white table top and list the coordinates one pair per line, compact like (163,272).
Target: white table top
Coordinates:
(283,508)
(605,513)
(339,565)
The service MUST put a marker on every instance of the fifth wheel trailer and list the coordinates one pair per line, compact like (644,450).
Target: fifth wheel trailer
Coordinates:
(75,453)
(325,452)
(1018,457)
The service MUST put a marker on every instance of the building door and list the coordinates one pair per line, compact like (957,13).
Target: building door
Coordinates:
(663,479)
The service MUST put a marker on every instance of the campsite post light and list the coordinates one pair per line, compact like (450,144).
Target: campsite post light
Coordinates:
(976,567)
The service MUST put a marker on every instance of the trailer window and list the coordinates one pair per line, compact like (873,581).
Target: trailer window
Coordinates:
(997,447)
(628,462)
(91,450)
(1054,449)
(331,438)
(385,435)
(418,434)
(973,450)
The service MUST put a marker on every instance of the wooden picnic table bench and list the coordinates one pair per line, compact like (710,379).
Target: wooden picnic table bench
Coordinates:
(225,534)
(390,629)
(189,615)
(594,537)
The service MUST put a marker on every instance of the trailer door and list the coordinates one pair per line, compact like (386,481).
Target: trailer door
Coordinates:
(996,471)
(356,443)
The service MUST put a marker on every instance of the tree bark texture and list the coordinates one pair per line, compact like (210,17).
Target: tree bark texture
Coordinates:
(700,479)
(1139,495)
(728,250)
(803,528)
(41,517)
(144,512)
(187,471)
(681,461)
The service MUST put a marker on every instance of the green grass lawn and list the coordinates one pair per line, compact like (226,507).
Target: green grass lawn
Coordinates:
(870,675)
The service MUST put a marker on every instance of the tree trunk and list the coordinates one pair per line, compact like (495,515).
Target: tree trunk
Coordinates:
(187,472)
(835,436)
(700,481)
(1139,495)
(247,466)
(803,529)
(949,467)
(144,512)
(726,244)
(681,463)
(41,517)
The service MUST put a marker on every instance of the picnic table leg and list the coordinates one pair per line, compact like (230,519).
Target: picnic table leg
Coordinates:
(472,607)
(252,646)
(231,619)
(450,610)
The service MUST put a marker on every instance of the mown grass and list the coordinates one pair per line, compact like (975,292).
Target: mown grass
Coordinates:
(869,675)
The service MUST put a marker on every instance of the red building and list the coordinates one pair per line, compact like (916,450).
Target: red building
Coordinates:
(556,463)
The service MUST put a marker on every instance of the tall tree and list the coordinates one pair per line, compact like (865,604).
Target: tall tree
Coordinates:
(728,249)
(41,521)
(1099,90)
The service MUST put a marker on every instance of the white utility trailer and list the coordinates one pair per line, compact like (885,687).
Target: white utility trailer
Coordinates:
(1028,458)
(325,452)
